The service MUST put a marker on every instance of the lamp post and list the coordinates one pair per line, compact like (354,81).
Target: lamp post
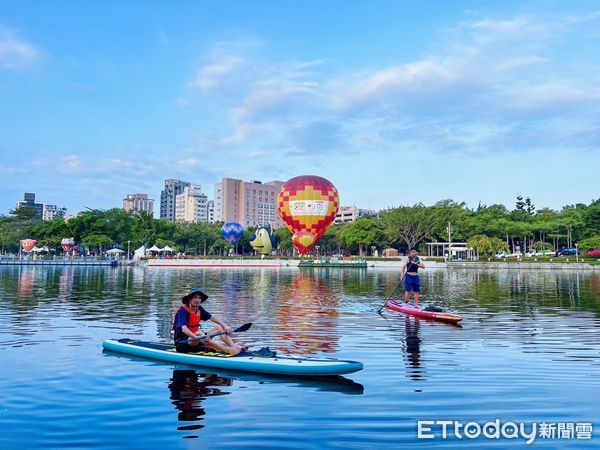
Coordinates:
(576,252)
(128,254)
(449,229)
(317,247)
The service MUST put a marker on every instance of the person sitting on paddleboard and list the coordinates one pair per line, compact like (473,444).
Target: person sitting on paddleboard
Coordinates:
(412,281)
(187,325)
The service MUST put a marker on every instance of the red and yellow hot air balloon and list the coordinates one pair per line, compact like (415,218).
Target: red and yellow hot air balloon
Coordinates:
(307,205)
(28,244)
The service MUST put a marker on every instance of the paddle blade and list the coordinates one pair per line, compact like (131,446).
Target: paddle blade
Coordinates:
(244,327)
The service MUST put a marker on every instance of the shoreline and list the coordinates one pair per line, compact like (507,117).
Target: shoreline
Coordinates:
(371,264)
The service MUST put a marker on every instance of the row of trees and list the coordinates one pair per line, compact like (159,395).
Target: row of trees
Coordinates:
(486,228)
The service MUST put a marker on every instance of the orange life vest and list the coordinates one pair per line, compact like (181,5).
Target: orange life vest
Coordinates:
(194,320)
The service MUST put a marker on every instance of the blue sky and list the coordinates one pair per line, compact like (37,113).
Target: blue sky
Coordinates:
(394,102)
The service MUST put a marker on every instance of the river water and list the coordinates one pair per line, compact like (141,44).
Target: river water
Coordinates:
(528,352)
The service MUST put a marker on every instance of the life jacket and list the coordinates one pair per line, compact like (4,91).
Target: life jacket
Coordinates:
(193,320)
(412,265)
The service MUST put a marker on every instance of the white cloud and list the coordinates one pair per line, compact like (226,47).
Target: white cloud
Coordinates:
(487,86)
(15,53)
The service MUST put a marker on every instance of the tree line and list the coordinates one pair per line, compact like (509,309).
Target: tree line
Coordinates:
(487,229)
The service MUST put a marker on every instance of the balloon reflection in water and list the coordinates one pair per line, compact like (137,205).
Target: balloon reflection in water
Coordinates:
(308,304)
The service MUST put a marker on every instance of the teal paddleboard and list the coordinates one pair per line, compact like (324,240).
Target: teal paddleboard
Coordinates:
(284,365)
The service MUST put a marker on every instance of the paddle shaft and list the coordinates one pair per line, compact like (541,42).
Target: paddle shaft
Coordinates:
(241,329)
(393,292)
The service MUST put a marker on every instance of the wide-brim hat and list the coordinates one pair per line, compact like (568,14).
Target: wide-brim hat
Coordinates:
(186,298)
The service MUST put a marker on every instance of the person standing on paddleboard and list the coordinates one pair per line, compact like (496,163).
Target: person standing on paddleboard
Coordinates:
(187,325)
(412,282)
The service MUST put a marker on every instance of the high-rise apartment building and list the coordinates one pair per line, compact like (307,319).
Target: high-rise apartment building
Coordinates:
(210,206)
(138,202)
(168,197)
(251,203)
(52,211)
(29,201)
(191,205)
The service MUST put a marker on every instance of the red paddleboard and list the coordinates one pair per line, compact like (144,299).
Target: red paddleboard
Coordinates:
(413,310)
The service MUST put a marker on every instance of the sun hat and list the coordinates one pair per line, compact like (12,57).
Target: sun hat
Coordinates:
(186,298)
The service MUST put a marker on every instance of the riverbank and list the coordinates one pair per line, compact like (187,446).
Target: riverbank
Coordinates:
(372,263)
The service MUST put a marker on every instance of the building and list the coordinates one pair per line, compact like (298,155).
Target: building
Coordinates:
(29,201)
(52,211)
(191,205)
(138,202)
(451,250)
(251,203)
(352,213)
(211,211)
(168,196)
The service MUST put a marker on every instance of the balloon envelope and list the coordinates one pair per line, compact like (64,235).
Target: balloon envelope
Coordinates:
(67,244)
(232,231)
(262,241)
(28,244)
(304,241)
(308,203)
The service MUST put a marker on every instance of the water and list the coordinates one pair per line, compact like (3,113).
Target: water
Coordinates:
(528,351)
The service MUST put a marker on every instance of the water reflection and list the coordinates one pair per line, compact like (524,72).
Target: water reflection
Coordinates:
(306,319)
(188,390)
(413,348)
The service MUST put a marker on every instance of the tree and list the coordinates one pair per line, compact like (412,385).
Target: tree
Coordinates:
(520,205)
(486,245)
(363,232)
(408,224)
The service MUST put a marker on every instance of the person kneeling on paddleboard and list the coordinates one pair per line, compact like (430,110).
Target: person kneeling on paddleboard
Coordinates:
(412,281)
(187,325)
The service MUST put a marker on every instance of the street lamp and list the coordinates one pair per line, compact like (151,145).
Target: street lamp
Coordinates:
(576,253)
(128,254)
(317,247)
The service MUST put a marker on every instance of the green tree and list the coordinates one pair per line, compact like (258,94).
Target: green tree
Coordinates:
(363,232)
(407,224)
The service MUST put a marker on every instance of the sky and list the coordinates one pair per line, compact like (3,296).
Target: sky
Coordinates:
(395,102)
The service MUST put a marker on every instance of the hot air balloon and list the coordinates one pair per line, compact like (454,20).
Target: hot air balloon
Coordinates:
(262,240)
(232,231)
(28,244)
(307,204)
(67,244)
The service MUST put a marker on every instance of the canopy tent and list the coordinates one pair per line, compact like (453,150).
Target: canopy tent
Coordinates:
(139,253)
(167,249)
(154,248)
(114,251)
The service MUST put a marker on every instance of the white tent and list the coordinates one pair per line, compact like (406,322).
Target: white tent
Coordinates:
(154,248)
(36,249)
(167,249)
(114,251)
(139,253)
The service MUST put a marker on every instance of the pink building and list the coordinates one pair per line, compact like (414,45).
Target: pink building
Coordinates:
(250,203)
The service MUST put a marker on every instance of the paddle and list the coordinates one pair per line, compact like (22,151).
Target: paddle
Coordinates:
(392,294)
(241,329)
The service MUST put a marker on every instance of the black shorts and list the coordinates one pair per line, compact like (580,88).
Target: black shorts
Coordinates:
(184,347)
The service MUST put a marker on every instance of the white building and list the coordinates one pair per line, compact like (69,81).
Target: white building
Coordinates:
(352,213)
(251,203)
(191,205)
(52,211)
(211,211)
(138,202)
(168,197)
